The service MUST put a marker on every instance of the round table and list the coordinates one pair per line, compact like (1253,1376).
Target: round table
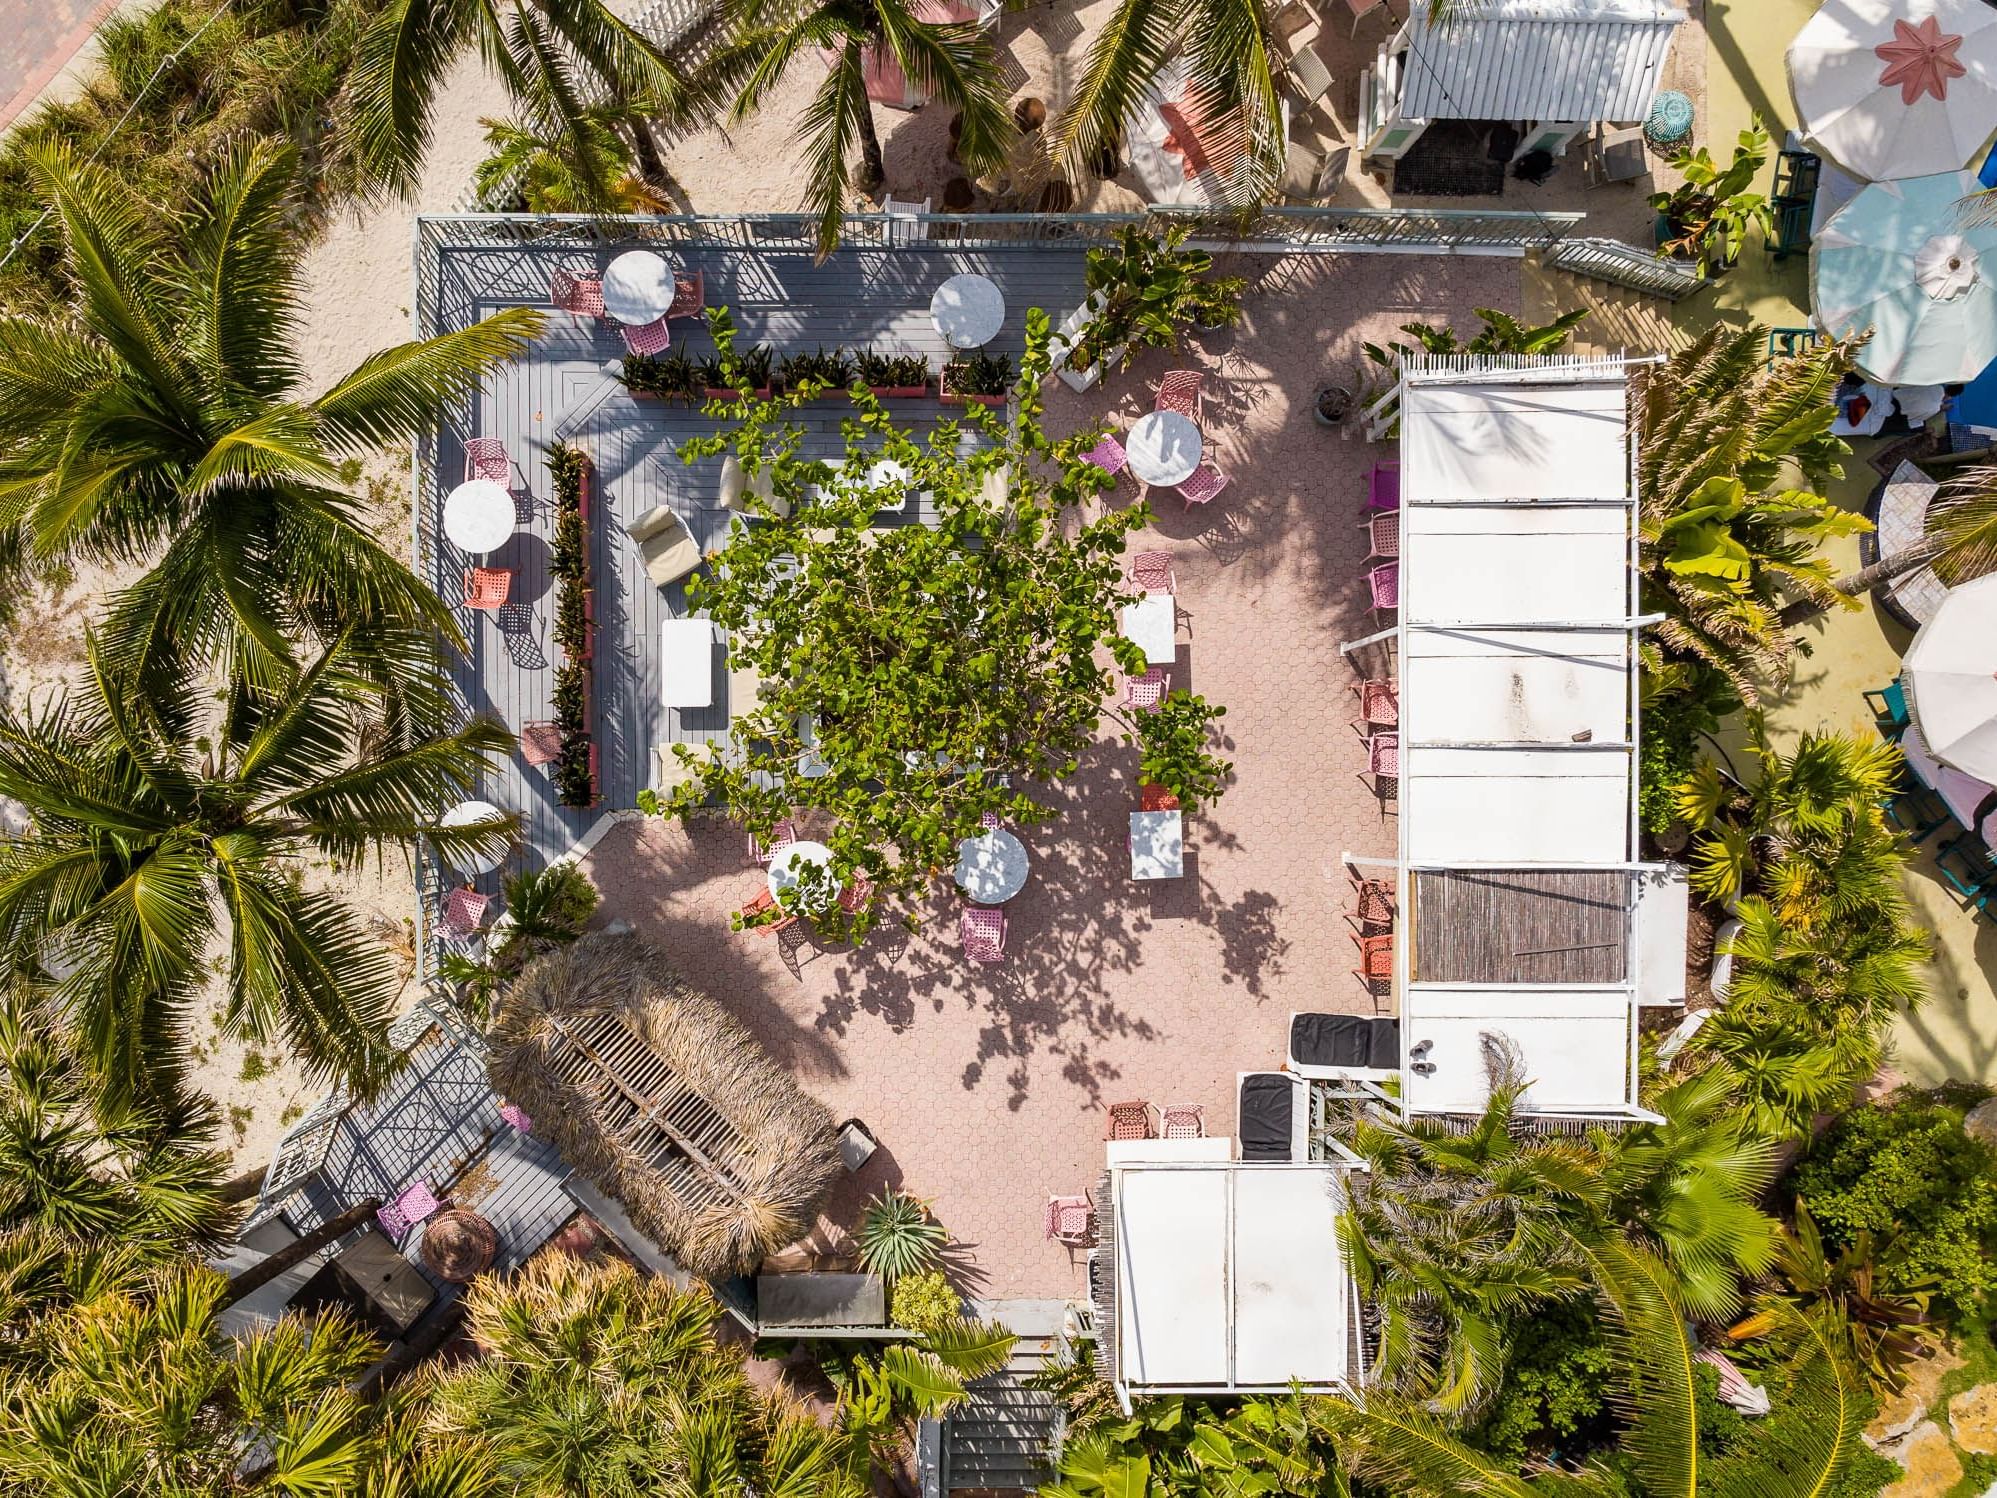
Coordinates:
(1164,448)
(638,287)
(991,868)
(968,311)
(464,814)
(458,1244)
(1669,122)
(891,478)
(478,516)
(784,875)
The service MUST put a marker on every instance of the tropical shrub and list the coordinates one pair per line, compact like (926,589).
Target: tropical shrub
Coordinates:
(978,374)
(545,908)
(924,1301)
(671,376)
(1152,288)
(1171,1446)
(746,369)
(831,371)
(1501,333)
(898,1237)
(569,565)
(891,371)
(1908,1173)
(1705,218)
(1554,1400)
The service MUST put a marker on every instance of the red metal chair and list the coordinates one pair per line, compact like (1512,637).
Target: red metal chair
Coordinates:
(1376,958)
(1179,391)
(1383,583)
(647,337)
(1383,753)
(1385,533)
(1108,455)
(689,295)
(1131,1120)
(982,931)
(569,292)
(487,587)
(1152,797)
(764,901)
(1206,482)
(856,896)
(1379,702)
(1071,1220)
(1372,903)
(781,837)
(540,743)
(1148,690)
(486,458)
(1383,490)
(1182,1121)
(1151,571)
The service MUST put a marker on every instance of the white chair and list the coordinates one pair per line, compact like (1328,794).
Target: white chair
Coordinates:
(1309,76)
(668,547)
(904,225)
(1309,177)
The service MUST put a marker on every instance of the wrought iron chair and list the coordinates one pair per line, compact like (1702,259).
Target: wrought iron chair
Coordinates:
(487,587)
(1151,571)
(1130,1120)
(1179,391)
(1071,1220)
(582,295)
(1206,482)
(1108,455)
(982,931)
(1147,690)
(648,337)
(1182,1121)
(487,458)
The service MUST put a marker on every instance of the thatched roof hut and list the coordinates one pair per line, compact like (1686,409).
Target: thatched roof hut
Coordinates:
(665,1102)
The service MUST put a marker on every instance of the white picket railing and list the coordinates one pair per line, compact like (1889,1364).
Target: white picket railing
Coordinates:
(1623,264)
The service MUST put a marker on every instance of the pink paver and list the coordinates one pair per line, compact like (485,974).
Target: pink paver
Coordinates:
(985,1085)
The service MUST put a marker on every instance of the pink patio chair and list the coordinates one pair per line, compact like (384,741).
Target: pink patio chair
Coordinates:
(1383,491)
(1151,571)
(464,907)
(485,458)
(762,902)
(582,295)
(1383,754)
(1071,1220)
(1385,533)
(1376,958)
(689,295)
(856,896)
(1182,1121)
(1379,702)
(1148,690)
(1131,1120)
(982,931)
(487,587)
(1180,391)
(781,838)
(516,1118)
(1108,455)
(1384,584)
(1206,482)
(1372,907)
(540,742)
(414,1203)
(991,821)
(648,337)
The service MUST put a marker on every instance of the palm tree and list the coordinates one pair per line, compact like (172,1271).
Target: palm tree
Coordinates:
(559,59)
(1797,1453)
(1722,546)
(163,421)
(1451,1233)
(149,834)
(1960,542)
(953,62)
(562,172)
(595,1379)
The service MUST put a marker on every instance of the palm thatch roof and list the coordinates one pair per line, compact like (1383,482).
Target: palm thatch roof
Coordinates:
(665,1102)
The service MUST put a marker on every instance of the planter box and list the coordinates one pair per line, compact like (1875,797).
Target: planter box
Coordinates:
(899,392)
(723,393)
(951,398)
(1069,334)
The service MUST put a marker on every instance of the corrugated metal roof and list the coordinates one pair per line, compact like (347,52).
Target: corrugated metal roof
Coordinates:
(1538,60)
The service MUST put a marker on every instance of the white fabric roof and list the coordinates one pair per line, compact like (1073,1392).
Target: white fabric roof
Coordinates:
(1574,1043)
(1513,686)
(1567,808)
(1578,60)
(1229,1276)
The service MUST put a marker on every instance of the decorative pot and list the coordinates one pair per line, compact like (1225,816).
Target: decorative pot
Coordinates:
(1332,405)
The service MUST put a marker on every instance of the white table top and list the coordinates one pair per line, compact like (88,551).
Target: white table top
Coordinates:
(968,311)
(783,873)
(991,868)
(1153,624)
(890,479)
(638,287)
(478,516)
(464,814)
(1157,845)
(1164,448)
(686,663)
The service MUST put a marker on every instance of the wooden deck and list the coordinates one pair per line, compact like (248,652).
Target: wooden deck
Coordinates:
(1523,926)
(565,388)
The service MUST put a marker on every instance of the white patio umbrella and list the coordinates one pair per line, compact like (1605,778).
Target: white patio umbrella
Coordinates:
(1897,259)
(1897,88)
(1950,673)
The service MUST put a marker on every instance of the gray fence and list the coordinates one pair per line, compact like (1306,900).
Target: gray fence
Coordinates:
(1625,265)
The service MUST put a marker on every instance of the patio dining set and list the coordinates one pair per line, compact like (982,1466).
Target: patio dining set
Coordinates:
(1940,799)
(1379,703)
(1071,1220)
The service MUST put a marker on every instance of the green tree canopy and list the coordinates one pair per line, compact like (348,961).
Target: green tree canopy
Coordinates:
(916,677)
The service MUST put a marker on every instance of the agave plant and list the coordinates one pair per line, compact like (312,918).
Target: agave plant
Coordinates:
(898,1236)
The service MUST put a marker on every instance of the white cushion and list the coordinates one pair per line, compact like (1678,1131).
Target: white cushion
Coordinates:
(686,663)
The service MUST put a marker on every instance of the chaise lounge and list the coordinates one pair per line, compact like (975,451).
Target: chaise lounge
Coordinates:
(668,547)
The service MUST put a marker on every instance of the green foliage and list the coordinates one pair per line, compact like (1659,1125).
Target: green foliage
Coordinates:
(1171,1446)
(739,369)
(1152,289)
(898,1237)
(827,372)
(1726,543)
(978,373)
(925,1301)
(568,564)
(545,908)
(916,677)
(1908,1174)
(1669,753)
(1501,333)
(1555,1396)
(891,371)
(672,376)
(1707,216)
(587,165)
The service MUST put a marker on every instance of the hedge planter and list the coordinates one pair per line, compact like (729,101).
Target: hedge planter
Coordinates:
(899,392)
(723,393)
(951,398)
(575,770)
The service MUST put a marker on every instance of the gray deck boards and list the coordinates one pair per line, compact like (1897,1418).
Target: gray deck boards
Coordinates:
(564,389)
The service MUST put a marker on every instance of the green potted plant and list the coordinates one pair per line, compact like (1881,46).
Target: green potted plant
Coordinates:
(662,377)
(1142,294)
(893,376)
(754,368)
(832,370)
(1705,218)
(977,379)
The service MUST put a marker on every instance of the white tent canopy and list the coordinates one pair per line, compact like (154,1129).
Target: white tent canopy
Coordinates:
(1950,673)
(1578,60)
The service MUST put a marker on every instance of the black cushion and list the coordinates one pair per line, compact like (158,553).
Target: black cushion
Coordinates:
(1266,1100)
(1357,1040)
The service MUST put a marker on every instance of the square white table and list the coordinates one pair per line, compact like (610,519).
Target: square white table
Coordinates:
(1153,625)
(686,663)
(1157,845)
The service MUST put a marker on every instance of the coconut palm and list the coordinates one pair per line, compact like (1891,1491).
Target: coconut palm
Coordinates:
(595,1379)
(1799,1452)
(1452,1233)
(1723,547)
(560,61)
(164,421)
(952,61)
(150,835)
(1960,542)
(588,171)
